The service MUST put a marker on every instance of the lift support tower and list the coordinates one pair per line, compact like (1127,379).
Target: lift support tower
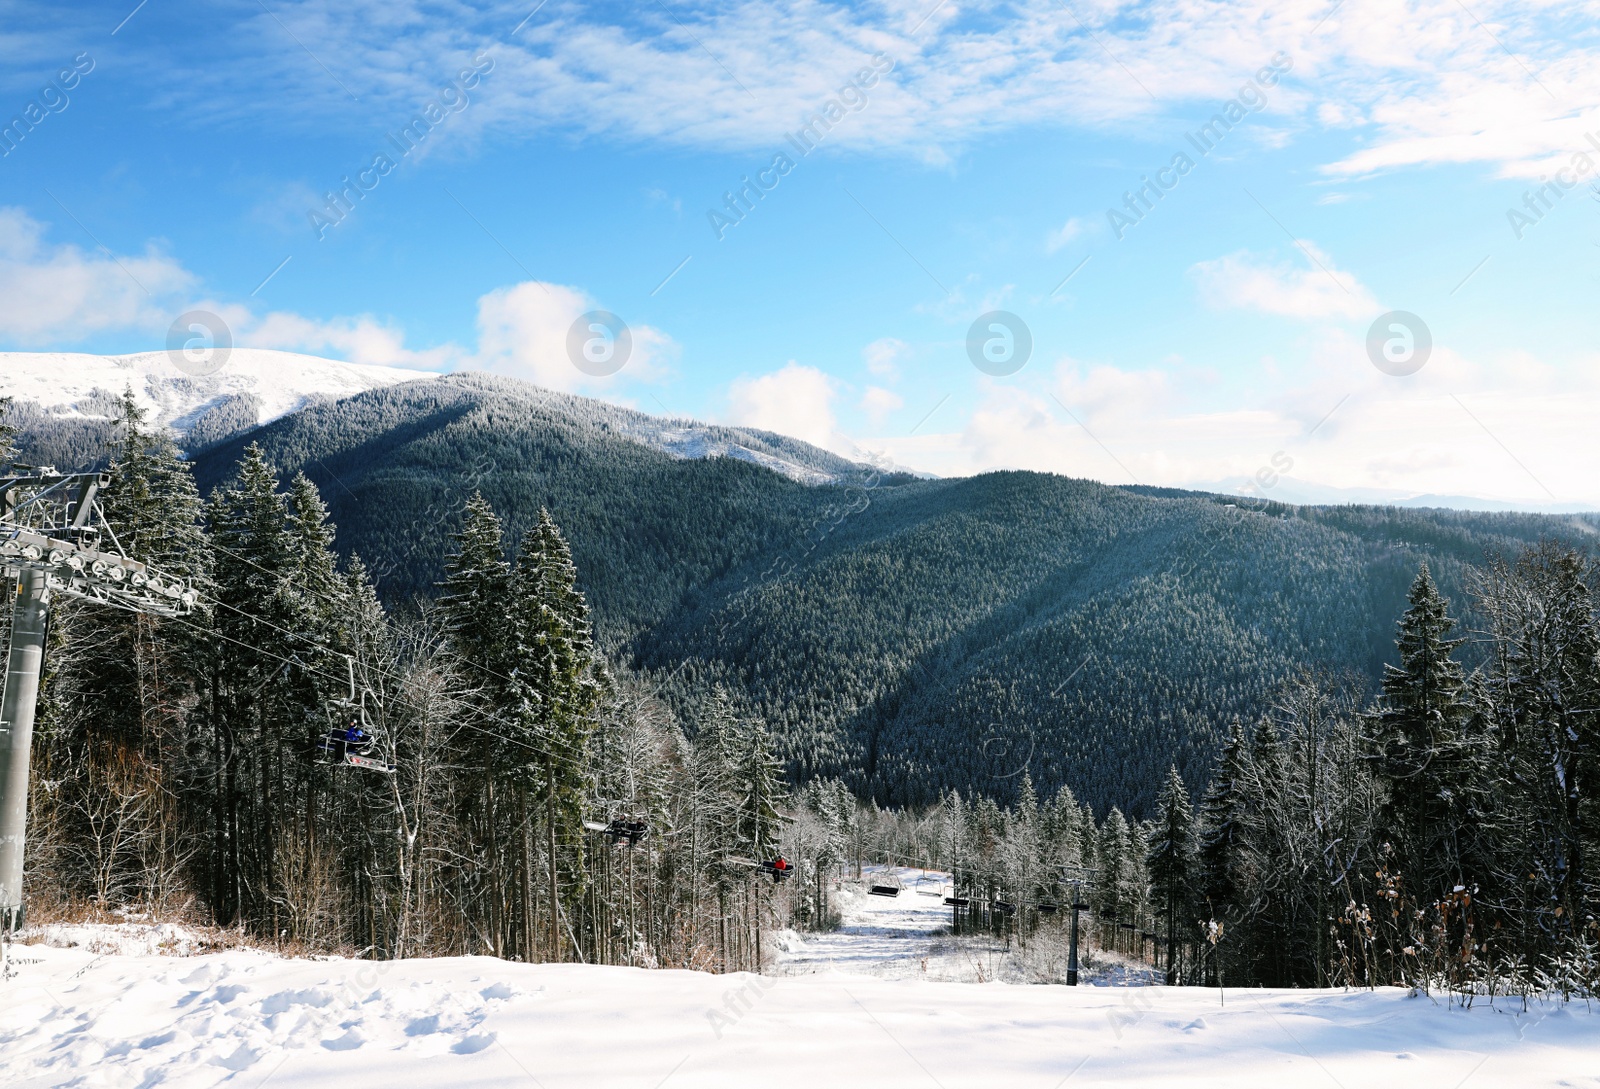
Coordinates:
(51,529)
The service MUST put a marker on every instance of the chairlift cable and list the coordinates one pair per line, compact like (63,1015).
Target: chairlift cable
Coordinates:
(374,668)
(314,669)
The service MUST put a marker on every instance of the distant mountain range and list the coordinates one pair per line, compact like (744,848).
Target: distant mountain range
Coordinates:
(66,400)
(910,635)
(1309,493)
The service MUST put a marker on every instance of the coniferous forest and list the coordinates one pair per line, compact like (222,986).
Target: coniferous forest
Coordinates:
(606,785)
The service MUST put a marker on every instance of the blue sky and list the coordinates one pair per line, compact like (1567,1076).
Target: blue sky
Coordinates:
(1371,171)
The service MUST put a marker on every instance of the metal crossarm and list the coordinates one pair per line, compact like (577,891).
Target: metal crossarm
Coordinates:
(51,526)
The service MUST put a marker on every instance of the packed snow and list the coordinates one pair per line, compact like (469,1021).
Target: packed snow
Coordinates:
(889,937)
(853,1008)
(908,937)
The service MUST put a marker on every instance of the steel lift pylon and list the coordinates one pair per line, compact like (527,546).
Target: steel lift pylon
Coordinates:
(51,530)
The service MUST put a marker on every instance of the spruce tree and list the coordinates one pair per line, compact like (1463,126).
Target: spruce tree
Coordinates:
(1172,863)
(476,593)
(555,684)
(251,658)
(1224,839)
(1418,742)
(1116,857)
(760,778)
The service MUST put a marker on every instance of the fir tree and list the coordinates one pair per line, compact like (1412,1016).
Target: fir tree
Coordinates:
(761,789)
(250,659)
(1116,858)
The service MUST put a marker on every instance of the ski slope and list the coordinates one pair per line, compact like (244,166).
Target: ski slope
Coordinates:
(77,1017)
(885,937)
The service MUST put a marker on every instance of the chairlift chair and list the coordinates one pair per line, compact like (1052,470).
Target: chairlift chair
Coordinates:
(352,743)
(879,887)
(620,831)
(925,881)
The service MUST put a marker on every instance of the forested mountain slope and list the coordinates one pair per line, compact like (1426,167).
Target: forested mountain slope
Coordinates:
(907,635)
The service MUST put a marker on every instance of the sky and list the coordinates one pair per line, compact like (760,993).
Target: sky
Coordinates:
(1302,249)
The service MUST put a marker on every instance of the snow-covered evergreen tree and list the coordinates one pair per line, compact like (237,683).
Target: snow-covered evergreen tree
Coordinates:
(1172,864)
(1423,761)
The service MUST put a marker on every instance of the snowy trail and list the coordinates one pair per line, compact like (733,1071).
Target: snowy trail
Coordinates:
(69,1018)
(879,936)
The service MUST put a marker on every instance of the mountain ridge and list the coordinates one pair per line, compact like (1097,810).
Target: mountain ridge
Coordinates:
(67,400)
(910,636)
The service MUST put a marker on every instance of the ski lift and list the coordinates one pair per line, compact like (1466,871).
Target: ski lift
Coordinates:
(956,901)
(351,740)
(621,831)
(928,885)
(780,868)
(1003,907)
(880,887)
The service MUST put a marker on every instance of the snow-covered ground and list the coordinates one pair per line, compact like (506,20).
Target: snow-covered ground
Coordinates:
(880,936)
(132,1005)
(908,937)
(71,1018)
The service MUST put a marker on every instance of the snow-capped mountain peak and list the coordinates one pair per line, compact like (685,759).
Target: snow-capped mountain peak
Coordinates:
(271,383)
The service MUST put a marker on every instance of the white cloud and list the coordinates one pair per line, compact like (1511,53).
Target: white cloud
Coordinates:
(362,339)
(1061,236)
(523,329)
(1313,289)
(884,356)
(878,402)
(1497,429)
(61,294)
(58,294)
(794,400)
(1106,392)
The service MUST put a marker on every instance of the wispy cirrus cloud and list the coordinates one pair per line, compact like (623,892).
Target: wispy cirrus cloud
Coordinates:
(1514,86)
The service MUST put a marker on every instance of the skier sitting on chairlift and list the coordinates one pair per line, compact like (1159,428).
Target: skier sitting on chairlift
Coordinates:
(357,740)
(779,868)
